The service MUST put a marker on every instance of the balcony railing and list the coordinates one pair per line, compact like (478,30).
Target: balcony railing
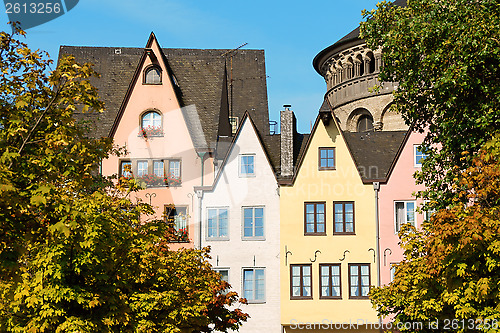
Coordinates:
(357,88)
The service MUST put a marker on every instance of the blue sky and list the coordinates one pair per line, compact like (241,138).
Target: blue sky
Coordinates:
(290,32)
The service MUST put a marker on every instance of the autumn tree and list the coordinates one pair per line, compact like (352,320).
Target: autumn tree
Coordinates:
(445,56)
(74,254)
(451,268)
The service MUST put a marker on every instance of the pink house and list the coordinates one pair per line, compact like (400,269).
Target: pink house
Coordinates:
(174,110)
(397,202)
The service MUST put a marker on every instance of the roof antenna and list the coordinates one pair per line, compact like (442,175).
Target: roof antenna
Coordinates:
(231,53)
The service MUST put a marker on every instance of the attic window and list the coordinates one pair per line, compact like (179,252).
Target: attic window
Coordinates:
(152,75)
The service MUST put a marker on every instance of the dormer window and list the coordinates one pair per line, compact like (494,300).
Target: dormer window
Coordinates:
(151,124)
(152,75)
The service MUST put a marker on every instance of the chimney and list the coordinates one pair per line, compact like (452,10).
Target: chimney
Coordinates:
(288,129)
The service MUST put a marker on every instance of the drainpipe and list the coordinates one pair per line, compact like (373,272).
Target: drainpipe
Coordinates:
(199,194)
(376,189)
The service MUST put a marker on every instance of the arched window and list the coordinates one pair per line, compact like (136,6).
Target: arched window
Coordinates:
(365,123)
(361,64)
(371,64)
(151,124)
(152,75)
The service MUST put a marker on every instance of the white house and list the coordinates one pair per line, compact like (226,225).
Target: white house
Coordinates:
(240,216)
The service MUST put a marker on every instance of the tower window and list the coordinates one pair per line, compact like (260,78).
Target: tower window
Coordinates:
(365,123)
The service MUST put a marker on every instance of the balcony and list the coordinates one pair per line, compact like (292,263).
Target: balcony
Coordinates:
(357,88)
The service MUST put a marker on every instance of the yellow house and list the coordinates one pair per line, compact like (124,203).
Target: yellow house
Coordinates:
(328,228)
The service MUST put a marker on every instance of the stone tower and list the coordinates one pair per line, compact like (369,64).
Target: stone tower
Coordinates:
(350,69)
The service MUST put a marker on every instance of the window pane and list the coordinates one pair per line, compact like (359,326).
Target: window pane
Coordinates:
(153,76)
(260,284)
(365,291)
(142,168)
(126,169)
(248,222)
(306,281)
(349,227)
(296,291)
(295,270)
(224,273)
(321,228)
(325,291)
(310,208)
(410,212)
(336,291)
(306,270)
(321,208)
(248,283)
(325,270)
(175,168)
(364,270)
(158,168)
(296,281)
(223,226)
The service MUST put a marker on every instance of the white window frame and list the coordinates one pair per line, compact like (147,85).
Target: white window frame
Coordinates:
(161,170)
(218,237)
(243,237)
(139,171)
(240,164)
(220,269)
(428,213)
(397,226)
(392,270)
(416,163)
(253,301)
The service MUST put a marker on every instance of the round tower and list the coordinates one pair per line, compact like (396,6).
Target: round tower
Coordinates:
(351,70)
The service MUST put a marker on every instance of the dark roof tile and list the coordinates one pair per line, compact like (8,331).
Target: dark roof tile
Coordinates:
(199,74)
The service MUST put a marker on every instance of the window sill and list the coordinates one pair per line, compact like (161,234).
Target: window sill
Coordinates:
(331,297)
(152,84)
(256,302)
(359,297)
(344,234)
(326,168)
(208,239)
(314,233)
(253,239)
(301,298)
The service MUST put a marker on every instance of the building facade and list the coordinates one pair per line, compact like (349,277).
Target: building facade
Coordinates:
(241,224)
(173,111)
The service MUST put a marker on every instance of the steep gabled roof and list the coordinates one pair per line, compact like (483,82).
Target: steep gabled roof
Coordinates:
(374,152)
(198,75)
(270,145)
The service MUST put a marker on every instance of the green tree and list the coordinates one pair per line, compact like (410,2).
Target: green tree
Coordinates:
(451,268)
(74,254)
(446,57)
